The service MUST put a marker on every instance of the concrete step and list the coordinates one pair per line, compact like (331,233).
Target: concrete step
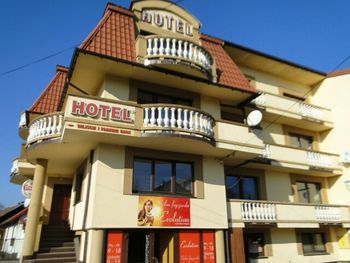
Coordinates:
(51,260)
(48,244)
(55,255)
(56,249)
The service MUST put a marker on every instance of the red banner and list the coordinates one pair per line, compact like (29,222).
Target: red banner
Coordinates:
(189,247)
(114,247)
(208,239)
(163,211)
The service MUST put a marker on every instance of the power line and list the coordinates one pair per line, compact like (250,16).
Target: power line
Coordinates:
(341,63)
(37,61)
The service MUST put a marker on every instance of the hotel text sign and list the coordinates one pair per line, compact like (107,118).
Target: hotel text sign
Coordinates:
(102,111)
(167,21)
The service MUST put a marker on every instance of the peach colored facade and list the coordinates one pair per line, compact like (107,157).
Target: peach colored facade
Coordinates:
(160,111)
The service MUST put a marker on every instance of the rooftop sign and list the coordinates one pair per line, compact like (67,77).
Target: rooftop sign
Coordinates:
(167,21)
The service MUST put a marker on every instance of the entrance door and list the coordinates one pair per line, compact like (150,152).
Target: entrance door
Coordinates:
(60,204)
(151,247)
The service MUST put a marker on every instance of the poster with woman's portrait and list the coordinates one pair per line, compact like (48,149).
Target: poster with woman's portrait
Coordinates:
(163,211)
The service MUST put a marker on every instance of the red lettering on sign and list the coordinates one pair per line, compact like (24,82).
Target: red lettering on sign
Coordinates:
(208,246)
(104,111)
(78,108)
(116,114)
(126,116)
(91,110)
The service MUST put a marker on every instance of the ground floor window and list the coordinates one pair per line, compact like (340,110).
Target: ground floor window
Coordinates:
(313,243)
(254,245)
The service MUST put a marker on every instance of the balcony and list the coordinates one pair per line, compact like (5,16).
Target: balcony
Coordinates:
(167,51)
(284,214)
(21,170)
(47,126)
(294,112)
(296,158)
(174,119)
(238,138)
(117,119)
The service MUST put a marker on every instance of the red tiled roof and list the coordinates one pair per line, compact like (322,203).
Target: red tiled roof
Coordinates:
(229,73)
(114,35)
(49,99)
(15,217)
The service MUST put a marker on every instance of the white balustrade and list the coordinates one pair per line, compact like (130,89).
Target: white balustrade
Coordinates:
(267,151)
(180,49)
(177,117)
(261,100)
(47,125)
(23,120)
(310,111)
(14,169)
(327,213)
(258,211)
(319,159)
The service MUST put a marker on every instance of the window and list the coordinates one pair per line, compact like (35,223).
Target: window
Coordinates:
(241,187)
(231,113)
(254,245)
(309,192)
(301,141)
(313,243)
(144,97)
(79,183)
(161,176)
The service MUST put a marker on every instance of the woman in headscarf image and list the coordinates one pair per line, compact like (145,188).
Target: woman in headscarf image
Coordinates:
(145,217)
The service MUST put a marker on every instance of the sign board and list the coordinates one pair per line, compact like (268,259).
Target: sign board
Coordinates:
(27,187)
(114,247)
(208,241)
(163,211)
(100,111)
(189,247)
(167,21)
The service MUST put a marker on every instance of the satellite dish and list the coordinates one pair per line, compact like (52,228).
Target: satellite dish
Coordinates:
(254,118)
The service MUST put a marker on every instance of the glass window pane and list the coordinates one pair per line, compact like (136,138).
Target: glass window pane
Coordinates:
(142,175)
(306,142)
(164,99)
(162,176)
(302,192)
(255,245)
(250,190)
(294,140)
(232,187)
(319,243)
(183,178)
(314,193)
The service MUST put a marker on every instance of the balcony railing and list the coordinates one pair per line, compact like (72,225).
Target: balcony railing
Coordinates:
(46,126)
(284,212)
(172,118)
(296,156)
(293,108)
(170,50)
(253,211)
(15,167)
(327,213)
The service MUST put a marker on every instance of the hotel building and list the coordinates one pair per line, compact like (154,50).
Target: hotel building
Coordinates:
(162,144)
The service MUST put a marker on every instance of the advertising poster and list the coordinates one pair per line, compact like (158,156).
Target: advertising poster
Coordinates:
(114,247)
(189,247)
(208,246)
(163,211)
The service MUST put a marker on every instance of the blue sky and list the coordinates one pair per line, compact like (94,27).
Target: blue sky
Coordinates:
(313,33)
